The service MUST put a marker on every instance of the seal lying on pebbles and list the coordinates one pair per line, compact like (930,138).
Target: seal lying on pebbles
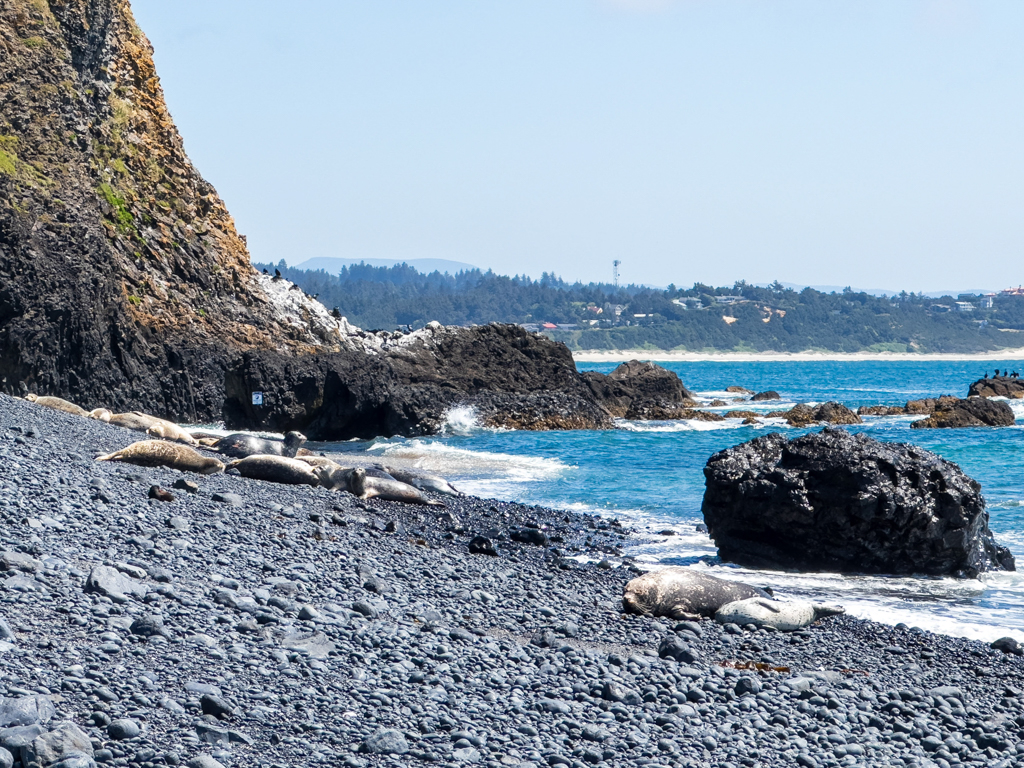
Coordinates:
(160,453)
(369,484)
(57,404)
(683,593)
(320,461)
(143,422)
(762,612)
(421,480)
(241,445)
(169,431)
(276,469)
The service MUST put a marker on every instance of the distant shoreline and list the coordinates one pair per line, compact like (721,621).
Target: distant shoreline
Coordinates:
(666,356)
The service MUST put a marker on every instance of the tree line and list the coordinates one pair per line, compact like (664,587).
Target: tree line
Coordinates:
(604,316)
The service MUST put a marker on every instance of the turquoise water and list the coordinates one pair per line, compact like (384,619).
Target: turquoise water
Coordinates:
(650,474)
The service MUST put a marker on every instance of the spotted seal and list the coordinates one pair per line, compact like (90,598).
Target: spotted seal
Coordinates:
(169,431)
(683,593)
(275,469)
(160,453)
(368,483)
(422,480)
(143,422)
(240,445)
(784,616)
(58,404)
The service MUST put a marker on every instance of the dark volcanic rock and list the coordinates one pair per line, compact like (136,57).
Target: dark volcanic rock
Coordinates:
(832,501)
(881,410)
(770,394)
(123,282)
(973,412)
(804,415)
(512,378)
(634,389)
(928,404)
(1001,386)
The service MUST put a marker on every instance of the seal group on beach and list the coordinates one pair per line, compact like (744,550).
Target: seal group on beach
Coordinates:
(683,593)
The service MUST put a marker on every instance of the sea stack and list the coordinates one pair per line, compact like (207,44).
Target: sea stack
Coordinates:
(833,501)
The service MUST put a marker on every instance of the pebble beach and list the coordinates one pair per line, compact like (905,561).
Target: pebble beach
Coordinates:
(246,623)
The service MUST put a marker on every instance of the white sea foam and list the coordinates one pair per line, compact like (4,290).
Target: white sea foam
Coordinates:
(462,420)
(479,466)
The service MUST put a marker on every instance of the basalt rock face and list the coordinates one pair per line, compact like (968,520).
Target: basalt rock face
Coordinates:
(123,282)
(832,501)
(972,412)
(510,377)
(1001,386)
(637,390)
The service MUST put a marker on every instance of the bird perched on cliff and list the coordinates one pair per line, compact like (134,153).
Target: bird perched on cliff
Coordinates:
(985,376)
(265,271)
(277,275)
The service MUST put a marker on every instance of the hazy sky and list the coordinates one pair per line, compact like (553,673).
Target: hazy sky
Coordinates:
(877,143)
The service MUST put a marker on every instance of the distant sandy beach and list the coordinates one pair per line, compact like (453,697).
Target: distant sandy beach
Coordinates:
(662,356)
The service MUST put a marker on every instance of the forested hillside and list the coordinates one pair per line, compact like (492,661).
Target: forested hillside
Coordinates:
(601,316)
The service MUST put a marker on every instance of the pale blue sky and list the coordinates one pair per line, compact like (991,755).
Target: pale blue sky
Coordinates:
(876,143)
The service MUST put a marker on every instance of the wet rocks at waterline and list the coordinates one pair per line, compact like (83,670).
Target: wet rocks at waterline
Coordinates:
(837,502)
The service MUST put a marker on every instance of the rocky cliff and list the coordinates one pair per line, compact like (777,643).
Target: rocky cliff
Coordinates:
(124,284)
(123,281)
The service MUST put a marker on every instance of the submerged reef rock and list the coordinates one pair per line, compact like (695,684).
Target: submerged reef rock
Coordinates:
(637,390)
(832,501)
(972,412)
(804,415)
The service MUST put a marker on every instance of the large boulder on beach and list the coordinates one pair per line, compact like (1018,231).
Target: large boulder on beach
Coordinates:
(640,390)
(832,501)
(972,412)
(1000,386)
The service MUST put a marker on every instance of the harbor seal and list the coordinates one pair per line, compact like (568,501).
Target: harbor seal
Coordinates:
(784,616)
(58,404)
(160,453)
(421,480)
(320,461)
(240,445)
(153,426)
(370,483)
(275,469)
(683,593)
(170,431)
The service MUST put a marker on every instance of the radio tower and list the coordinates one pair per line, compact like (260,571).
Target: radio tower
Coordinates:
(615,272)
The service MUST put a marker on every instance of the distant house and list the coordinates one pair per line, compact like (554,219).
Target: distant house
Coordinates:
(640,314)
(964,306)
(1018,291)
(941,308)
(567,326)
(617,309)
(987,301)
(595,310)
(531,327)
(728,299)
(549,326)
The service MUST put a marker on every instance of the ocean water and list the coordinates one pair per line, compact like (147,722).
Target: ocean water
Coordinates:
(650,475)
